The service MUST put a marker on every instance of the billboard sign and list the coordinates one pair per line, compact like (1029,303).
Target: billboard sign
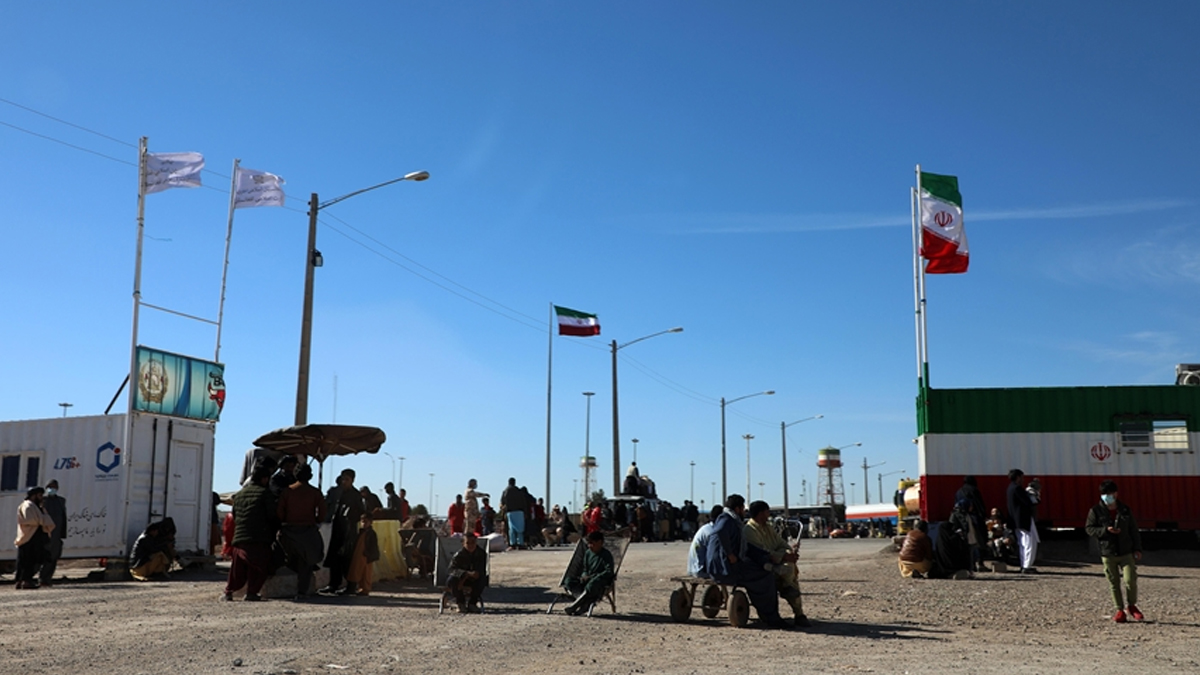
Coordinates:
(176,385)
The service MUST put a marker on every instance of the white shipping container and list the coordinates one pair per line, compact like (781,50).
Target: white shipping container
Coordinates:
(112,490)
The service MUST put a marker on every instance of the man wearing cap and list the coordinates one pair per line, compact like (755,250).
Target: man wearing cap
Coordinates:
(33,534)
(1112,523)
(55,508)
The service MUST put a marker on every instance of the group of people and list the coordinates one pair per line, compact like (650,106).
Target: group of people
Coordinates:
(276,522)
(739,546)
(41,528)
(959,545)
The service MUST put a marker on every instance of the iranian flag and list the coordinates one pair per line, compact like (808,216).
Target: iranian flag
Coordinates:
(580,324)
(943,239)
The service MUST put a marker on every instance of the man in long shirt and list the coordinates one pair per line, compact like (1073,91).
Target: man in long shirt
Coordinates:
(758,532)
(1020,513)
(599,571)
(253,532)
(343,536)
(512,500)
(56,508)
(730,560)
(33,533)
(300,511)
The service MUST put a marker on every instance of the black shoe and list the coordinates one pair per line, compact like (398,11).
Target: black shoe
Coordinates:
(350,589)
(918,575)
(801,621)
(1029,570)
(253,597)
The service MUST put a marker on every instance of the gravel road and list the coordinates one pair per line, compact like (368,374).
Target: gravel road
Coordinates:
(867,619)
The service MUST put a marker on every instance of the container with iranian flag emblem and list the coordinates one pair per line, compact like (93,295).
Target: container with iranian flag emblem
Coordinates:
(1143,437)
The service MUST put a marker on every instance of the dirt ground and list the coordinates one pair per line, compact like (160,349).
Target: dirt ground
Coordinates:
(866,619)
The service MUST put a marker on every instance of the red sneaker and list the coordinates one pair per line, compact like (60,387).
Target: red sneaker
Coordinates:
(1119,617)
(1135,613)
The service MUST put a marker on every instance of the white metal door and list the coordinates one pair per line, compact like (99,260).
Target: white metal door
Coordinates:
(184,493)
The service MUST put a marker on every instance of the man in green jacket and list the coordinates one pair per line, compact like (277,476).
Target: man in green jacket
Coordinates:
(1112,523)
(254,525)
(598,574)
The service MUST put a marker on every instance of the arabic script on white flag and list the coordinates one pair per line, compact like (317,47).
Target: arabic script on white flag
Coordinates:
(166,170)
(257,188)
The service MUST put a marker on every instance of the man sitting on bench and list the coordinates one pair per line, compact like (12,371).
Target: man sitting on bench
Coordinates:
(468,573)
(730,559)
(598,575)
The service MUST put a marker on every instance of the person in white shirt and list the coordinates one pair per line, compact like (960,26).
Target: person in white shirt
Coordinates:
(696,553)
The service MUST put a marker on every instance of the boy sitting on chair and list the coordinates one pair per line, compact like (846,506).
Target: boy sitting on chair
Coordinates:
(468,573)
(598,575)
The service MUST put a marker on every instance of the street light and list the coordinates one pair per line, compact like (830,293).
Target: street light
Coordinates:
(760,489)
(748,437)
(714,492)
(616,435)
(724,482)
(431,496)
(393,462)
(635,442)
(312,260)
(692,491)
(587,441)
(881,476)
(866,481)
(783,435)
(400,479)
(65,406)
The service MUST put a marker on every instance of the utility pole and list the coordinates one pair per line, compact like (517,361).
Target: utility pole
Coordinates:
(866,484)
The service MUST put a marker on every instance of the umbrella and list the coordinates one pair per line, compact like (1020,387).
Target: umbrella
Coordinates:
(323,440)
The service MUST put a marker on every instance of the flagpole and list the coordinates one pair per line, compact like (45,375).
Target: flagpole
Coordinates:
(924,346)
(137,288)
(916,242)
(225,266)
(549,380)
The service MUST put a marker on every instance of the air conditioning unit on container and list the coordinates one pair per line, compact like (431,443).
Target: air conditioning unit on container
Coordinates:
(1187,373)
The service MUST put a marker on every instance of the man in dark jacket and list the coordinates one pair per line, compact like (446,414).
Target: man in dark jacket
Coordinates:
(731,560)
(254,525)
(1112,523)
(512,500)
(343,536)
(1020,513)
(56,508)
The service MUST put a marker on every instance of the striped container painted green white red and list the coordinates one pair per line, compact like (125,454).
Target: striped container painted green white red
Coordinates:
(1143,437)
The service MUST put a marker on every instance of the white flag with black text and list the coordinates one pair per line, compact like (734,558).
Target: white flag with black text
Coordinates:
(166,170)
(257,188)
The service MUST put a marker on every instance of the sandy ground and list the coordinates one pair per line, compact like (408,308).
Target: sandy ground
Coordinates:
(867,619)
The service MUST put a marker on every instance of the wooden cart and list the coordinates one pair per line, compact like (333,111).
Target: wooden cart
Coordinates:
(716,596)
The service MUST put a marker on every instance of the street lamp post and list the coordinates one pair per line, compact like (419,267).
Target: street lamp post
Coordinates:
(635,442)
(748,437)
(587,441)
(692,490)
(616,435)
(400,479)
(761,484)
(724,472)
(783,435)
(867,484)
(65,406)
(431,496)
(312,261)
(881,476)
(389,456)
(714,492)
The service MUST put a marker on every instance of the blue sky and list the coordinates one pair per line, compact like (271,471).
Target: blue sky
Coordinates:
(741,170)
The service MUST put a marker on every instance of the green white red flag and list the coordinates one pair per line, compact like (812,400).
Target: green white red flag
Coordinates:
(579,324)
(943,239)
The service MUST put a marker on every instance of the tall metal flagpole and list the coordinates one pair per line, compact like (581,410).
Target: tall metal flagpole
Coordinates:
(225,267)
(549,380)
(137,288)
(916,242)
(919,283)
(924,291)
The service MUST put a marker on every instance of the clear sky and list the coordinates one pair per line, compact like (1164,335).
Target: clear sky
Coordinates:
(738,169)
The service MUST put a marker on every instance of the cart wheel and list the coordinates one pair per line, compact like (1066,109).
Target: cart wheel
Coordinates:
(714,600)
(739,609)
(681,605)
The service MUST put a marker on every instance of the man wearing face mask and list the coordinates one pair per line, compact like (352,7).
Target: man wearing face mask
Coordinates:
(1111,522)
(33,533)
(56,509)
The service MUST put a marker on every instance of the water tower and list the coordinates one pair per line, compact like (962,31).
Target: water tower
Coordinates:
(588,464)
(830,489)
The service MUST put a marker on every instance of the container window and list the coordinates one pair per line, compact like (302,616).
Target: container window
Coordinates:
(33,466)
(1154,435)
(10,473)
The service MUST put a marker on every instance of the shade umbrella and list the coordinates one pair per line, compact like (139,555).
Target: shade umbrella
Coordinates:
(323,440)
